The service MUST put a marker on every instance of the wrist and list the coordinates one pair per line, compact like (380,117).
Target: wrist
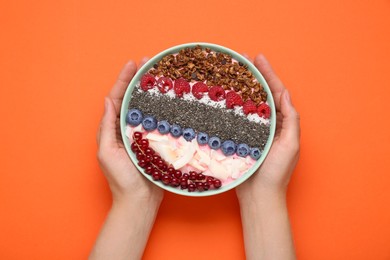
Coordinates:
(130,203)
(262,195)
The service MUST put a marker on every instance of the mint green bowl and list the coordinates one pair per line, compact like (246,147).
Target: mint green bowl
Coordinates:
(149,65)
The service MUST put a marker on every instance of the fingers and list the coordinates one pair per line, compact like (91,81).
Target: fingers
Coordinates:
(290,132)
(247,57)
(143,61)
(118,91)
(274,83)
(108,127)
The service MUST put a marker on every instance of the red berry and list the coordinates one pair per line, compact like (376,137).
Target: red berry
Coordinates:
(233,99)
(156,158)
(217,93)
(134,147)
(147,82)
(149,151)
(206,186)
(148,158)
(198,89)
(164,84)
(177,174)
(264,111)
(175,182)
(249,107)
(144,144)
(193,175)
(156,175)
(139,155)
(200,177)
(166,179)
(171,170)
(149,169)
(181,86)
(137,136)
(217,183)
(142,163)
(199,186)
(191,187)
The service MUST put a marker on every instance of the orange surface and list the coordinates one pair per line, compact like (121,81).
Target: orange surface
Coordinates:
(58,59)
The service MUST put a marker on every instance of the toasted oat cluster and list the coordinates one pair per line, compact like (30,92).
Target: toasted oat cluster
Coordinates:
(213,68)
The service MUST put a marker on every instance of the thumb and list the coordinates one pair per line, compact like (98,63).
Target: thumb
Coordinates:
(108,125)
(290,133)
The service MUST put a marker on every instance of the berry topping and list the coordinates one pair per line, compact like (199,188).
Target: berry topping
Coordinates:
(188,134)
(198,89)
(233,99)
(202,138)
(264,110)
(255,153)
(249,107)
(214,142)
(181,86)
(134,117)
(158,169)
(176,130)
(149,123)
(228,147)
(243,150)
(163,127)
(147,82)
(164,84)
(217,93)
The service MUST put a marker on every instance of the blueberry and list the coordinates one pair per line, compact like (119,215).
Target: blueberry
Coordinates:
(202,138)
(228,147)
(214,142)
(188,134)
(163,127)
(134,117)
(243,150)
(255,153)
(176,130)
(149,123)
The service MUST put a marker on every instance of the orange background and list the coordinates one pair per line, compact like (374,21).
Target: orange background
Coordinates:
(58,59)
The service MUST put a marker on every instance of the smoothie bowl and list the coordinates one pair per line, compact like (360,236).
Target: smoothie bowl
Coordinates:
(198,119)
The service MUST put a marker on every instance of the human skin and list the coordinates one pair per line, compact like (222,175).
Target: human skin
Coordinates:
(262,198)
(135,200)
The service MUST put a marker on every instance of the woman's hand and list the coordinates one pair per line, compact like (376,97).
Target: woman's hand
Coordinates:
(125,182)
(274,174)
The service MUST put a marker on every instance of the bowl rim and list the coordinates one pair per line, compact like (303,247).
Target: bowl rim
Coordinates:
(213,47)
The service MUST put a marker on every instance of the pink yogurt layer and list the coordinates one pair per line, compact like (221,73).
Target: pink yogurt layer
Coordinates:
(190,156)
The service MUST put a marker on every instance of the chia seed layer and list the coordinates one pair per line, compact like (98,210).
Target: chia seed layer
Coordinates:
(202,118)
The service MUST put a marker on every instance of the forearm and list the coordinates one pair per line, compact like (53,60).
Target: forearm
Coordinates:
(126,230)
(266,226)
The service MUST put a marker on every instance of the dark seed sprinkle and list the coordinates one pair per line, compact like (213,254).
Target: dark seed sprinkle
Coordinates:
(202,118)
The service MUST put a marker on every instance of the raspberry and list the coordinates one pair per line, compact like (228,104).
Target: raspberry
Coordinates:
(233,99)
(164,84)
(147,82)
(249,107)
(264,110)
(217,93)
(181,86)
(198,89)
